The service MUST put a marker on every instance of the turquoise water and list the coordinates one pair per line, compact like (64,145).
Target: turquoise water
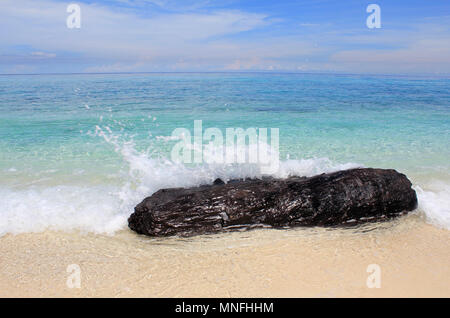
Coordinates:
(79,151)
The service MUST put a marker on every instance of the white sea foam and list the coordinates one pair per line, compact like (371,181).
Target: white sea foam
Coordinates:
(434,203)
(105,209)
(91,209)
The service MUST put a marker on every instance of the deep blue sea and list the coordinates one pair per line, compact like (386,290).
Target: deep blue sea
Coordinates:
(78,152)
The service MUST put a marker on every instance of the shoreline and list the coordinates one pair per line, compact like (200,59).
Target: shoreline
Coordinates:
(306,262)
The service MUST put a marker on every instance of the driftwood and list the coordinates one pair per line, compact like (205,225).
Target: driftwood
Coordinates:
(344,197)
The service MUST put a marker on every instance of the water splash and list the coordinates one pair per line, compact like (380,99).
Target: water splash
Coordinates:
(434,203)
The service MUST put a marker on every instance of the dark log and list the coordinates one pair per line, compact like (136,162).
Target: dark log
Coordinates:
(344,197)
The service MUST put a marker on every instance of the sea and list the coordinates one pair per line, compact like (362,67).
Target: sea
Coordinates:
(79,151)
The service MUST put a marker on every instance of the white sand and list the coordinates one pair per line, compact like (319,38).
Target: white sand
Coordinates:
(414,259)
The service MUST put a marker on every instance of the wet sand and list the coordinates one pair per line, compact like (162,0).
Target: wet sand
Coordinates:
(414,259)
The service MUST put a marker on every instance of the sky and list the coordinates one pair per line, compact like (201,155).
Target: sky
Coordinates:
(324,36)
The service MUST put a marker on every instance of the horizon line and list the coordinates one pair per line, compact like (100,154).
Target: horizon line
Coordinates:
(229,72)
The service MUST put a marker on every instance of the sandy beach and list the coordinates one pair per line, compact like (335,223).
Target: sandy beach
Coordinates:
(306,262)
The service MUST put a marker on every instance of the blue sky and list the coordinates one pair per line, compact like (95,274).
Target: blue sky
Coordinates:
(227,35)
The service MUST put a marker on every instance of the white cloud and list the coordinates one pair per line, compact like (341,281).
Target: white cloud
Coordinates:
(115,68)
(107,32)
(43,54)
(424,49)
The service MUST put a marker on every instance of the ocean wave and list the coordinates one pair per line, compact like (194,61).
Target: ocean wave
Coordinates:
(105,208)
